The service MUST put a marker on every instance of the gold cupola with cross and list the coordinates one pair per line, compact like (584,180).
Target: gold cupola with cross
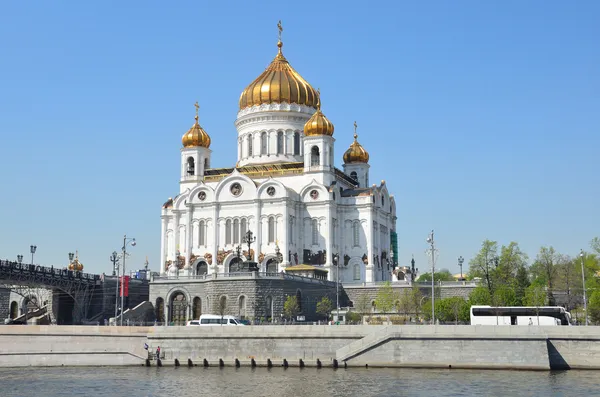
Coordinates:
(279,83)
(318,124)
(356,162)
(196,136)
(195,154)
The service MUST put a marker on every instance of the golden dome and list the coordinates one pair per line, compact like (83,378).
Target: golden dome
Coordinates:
(76,265)
(318,124)
(356,153)
(196,136)
(277,84)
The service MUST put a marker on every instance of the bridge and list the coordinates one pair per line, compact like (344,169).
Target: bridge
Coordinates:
(76,288)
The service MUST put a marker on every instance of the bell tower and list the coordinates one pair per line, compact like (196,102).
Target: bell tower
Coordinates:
(195,154)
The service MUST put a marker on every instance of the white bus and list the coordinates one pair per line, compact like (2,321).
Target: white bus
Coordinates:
(215,319)
(520,315)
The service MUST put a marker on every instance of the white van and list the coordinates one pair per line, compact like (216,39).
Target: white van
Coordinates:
(215,319)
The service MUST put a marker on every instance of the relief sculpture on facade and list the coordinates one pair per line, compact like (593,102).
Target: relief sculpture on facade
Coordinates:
(221,254)
(251,256)
(261,257)
(208,257)
(346,259)
(365,259)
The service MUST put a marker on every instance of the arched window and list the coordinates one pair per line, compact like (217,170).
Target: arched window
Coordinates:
(240,146)
(197,308)
(382,201)
(314,156)
(299,299)
(236,231)
(280,142)
(356,233)
(354,176)
(222,306)
(296,143)
(201,268)
(271,230)
(179,308)
(202,233)
(160,310)
(228,231)
(242,307)
(269,306)
(243,227)
(271,266)
(14,309)
(357,272)
(263,143)
(190,166)
(250,145)
(315,232)
(206,164)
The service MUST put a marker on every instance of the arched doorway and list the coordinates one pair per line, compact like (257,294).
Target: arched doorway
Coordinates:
(271,266)
(160,310)
(236,265)
(196,308)
(242,307)
(30,304)
(178,309)
(14,309)
(201,268)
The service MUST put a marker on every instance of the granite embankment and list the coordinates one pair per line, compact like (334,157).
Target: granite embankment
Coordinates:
(517,347)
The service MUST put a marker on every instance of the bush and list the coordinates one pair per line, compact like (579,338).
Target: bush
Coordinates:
(353,318)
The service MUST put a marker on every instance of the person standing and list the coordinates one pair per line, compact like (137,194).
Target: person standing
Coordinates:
(158,353)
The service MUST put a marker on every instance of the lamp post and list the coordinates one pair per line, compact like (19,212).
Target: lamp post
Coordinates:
(581,255)
(431,242)
(279,255)
(71,256)
(461,260)
(249,239)
(19,259)
(336,262)
(126,241)
(114,258)
(32,249)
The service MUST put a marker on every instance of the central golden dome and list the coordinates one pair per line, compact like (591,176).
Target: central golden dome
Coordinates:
(277,84)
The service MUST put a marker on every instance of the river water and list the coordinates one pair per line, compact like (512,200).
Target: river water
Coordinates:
(295,382)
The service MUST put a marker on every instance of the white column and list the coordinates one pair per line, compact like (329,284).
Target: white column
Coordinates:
(257,231)
(163,244)
(285,249)
(176,236)
(188,236)
(215,236)
(329,246)
(369,273)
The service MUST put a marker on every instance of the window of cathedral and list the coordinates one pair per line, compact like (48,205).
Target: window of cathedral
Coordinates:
(243,227)
(206,164)
(382,201)
(250,145)
(263,143)
(296,143)
(236,189)
(357,271)
(179,308)
(202,196)
(271,231)
(271,191)
(354,176)
(196,308)
(280,142)
(315,232)
(242,307)
(202,234)
(356,233)
(190,166)
(228,231)
(236,231)
(314,156)
(314,194)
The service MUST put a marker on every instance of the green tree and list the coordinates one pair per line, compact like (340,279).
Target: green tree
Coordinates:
(544,267)
(480,296)
(324,307)
(417,298)
(594,308)
(450,309)
(405,304)
(521,283)
(290,307)
(363,305)
(504,296)
(484,264)
(442,275)
(386,298)
(535,295)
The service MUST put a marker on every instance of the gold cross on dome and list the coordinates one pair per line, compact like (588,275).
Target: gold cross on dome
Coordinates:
(197,108)
(280,29)
(355,127)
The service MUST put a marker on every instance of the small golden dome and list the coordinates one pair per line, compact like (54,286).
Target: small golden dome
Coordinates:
(76,265)
(356,153)
(277,84)
(196,136)
(318,124)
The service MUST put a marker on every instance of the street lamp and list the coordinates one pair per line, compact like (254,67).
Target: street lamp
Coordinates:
(336,258)
(581,255)
(114,258)
(431,242)
(126,241)
(461,260)
(19,259)
(32,249)
(279,255)
(249,239)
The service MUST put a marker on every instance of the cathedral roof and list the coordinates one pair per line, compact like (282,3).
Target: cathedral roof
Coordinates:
(196,136)
(279,83)
(356,153)
(359,191)
(318,124)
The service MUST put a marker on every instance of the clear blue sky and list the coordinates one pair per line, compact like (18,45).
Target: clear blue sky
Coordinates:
(482,117)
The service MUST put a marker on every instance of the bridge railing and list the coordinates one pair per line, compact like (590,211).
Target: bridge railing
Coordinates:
(23,268)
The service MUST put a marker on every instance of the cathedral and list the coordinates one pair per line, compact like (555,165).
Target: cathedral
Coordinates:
(284,206)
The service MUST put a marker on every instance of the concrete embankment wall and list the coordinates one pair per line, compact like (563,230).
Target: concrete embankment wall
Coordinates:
(514,347)
(45,345)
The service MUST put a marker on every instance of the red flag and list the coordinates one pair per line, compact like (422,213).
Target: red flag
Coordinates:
(124,286)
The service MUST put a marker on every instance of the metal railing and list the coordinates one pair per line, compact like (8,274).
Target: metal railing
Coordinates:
(244,275)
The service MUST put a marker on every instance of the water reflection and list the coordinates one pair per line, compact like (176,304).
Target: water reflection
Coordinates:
(183,381)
